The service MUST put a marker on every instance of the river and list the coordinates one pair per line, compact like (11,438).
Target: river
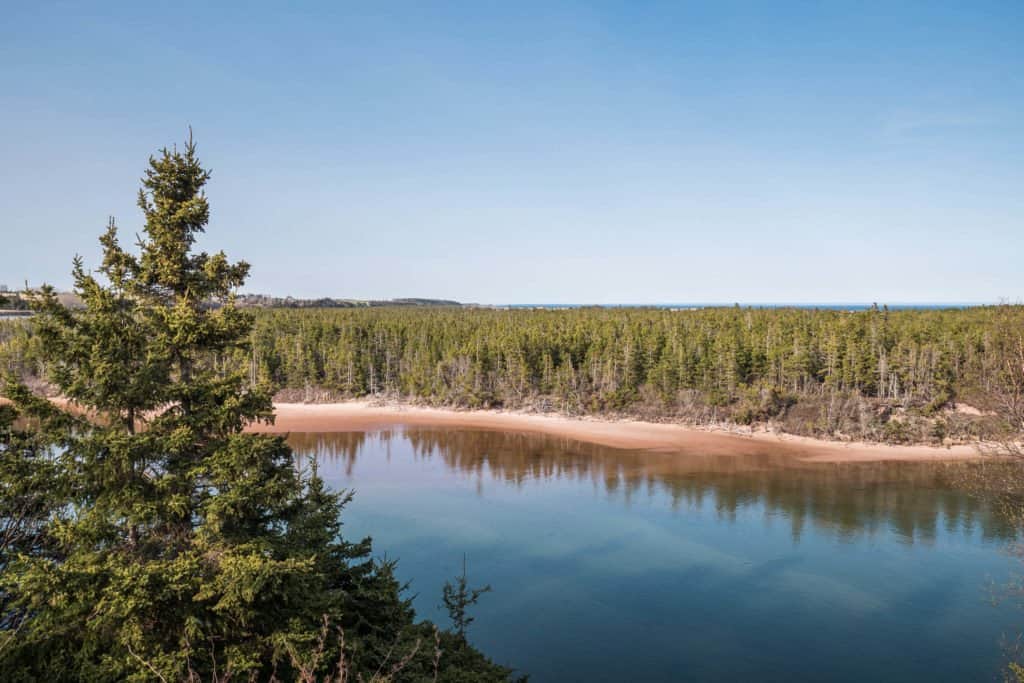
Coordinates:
(614,565)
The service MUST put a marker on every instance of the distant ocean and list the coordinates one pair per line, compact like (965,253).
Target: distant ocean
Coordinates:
(810,306)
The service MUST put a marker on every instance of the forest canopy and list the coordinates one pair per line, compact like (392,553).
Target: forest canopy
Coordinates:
(898,376)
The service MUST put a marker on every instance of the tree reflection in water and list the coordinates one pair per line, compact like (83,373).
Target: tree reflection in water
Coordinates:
(849,500)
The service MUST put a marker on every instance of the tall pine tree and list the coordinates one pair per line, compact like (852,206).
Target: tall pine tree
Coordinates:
(163,542)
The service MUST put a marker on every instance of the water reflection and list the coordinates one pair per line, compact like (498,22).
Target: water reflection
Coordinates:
(613,565)
(848,500)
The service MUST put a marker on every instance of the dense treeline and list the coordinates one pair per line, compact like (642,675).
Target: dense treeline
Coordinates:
(820,371)
(879,374)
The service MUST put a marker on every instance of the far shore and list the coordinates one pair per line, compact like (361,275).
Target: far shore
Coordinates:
(352,416)
(366,415)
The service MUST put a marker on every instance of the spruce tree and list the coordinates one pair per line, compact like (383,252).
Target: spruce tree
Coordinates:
(164,542)
(458,597)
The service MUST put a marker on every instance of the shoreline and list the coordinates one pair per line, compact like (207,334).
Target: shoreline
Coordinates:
(365,415)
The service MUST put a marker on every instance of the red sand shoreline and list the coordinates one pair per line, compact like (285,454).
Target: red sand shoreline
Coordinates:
(364,415)
(356,416)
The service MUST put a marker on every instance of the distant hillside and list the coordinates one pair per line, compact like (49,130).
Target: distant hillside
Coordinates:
(265,301)
(12,303)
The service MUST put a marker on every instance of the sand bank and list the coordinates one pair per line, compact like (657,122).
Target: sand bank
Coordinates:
(358,416)
(362,416)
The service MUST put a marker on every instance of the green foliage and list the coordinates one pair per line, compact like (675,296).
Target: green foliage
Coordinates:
(447,353)
(826,368)
(146,535)
(833,373)
(27,497)
(458,597)
(760,405)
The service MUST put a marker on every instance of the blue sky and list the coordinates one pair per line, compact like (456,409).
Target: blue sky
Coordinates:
(536,152)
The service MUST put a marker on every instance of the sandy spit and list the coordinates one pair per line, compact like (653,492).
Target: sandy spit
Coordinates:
(358,416)
(353,416)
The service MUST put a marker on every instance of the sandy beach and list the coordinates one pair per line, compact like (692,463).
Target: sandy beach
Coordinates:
(662,437)
(357,416)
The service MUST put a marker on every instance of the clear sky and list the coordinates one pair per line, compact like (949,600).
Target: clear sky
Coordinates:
(515,152)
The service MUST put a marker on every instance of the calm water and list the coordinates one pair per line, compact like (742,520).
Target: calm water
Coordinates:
(616,565)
